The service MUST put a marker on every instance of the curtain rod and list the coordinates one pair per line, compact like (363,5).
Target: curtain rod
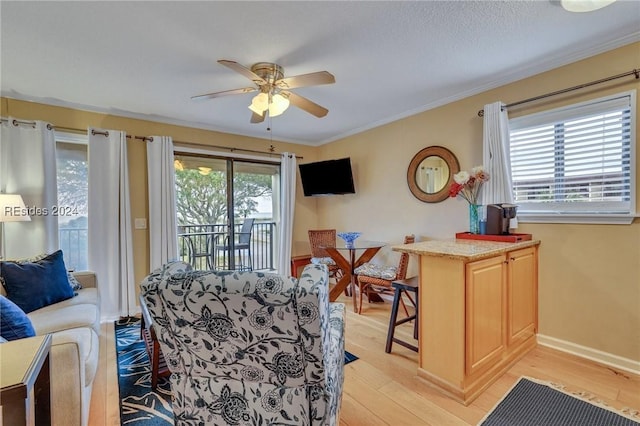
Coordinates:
(635,72)
(271,151)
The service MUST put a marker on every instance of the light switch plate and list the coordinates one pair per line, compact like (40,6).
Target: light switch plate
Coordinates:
(140,223)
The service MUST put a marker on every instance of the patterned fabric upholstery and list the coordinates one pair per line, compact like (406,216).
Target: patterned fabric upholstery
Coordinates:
(250,348)
(377,271)
(323,261)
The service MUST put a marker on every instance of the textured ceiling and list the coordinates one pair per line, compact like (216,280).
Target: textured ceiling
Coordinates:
(390,59)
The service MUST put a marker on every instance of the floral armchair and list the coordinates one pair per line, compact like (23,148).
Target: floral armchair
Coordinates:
(250,348)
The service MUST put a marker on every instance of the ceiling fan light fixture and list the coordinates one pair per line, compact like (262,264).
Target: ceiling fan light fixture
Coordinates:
(260,103)
(260,112)
(278,105)
(584,5)
(204,171)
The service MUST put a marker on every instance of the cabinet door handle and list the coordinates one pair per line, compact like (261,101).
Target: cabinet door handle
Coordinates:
(513,258)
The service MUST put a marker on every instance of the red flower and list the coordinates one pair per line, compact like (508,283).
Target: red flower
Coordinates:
(455,189)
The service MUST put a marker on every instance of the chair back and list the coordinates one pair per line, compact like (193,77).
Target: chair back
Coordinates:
(245,231)
(249,347)
(404,259)
(319,238)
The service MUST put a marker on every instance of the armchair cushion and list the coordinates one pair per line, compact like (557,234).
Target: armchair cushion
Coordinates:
(249,347)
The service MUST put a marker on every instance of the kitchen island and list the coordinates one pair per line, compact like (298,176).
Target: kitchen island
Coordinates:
(478,311)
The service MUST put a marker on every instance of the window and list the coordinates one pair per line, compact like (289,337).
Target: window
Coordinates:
(72,178)
(576,163)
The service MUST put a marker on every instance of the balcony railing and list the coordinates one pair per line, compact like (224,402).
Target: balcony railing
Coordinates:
(73,243)
(197,245)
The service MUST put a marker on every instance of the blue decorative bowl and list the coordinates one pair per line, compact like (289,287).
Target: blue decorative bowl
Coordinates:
(349,237)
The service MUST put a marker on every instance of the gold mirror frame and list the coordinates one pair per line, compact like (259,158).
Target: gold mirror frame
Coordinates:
(437,151)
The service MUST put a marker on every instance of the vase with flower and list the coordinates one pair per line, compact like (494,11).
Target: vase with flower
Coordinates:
(467,185)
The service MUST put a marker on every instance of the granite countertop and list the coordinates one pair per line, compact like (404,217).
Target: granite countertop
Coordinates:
(462,249)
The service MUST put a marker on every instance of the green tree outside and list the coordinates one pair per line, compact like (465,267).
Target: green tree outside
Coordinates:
(202,199)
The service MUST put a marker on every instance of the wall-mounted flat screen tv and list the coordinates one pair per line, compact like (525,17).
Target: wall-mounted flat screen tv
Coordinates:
(327,177)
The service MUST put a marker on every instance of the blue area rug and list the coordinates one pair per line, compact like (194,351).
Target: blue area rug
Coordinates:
(139,404)
(534,404)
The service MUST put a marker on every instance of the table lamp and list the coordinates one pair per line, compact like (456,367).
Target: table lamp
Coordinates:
(12,209)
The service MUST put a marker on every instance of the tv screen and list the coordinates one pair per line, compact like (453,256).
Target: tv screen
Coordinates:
(327,177)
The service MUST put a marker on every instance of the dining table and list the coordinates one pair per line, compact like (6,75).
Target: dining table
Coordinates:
(349,262)
(195,241)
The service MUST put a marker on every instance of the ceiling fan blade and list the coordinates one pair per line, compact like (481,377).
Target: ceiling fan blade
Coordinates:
(243,70)
(257,118)
(307,105)
(312,79)
(225,93)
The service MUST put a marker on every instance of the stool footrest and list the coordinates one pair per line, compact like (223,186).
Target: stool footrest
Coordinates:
(405,344)
(407,319)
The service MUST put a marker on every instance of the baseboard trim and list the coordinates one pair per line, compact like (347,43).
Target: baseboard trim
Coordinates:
(601,357)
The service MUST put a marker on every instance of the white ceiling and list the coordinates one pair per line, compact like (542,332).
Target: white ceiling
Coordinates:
(390,59)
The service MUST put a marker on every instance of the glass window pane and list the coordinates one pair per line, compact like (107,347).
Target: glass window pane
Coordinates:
(575,159)
(72,175)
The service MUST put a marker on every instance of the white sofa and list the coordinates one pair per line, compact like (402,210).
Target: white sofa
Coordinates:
(74,325)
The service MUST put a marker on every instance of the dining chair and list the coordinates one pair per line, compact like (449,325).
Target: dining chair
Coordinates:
(199,250)
(381,276)
(241,246)
(318,239)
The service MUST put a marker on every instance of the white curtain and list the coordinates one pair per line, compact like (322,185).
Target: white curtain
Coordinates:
(110,235)
(28,168)
(287,208)
(163,238)
(496,158)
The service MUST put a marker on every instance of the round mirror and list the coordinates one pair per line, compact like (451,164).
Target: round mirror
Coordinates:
(431,172)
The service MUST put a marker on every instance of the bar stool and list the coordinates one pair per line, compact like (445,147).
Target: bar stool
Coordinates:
(410,284)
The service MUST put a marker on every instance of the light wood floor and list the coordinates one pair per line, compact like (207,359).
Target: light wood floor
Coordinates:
(383,389)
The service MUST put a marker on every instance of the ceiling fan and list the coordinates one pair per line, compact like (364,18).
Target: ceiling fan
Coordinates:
(274,97)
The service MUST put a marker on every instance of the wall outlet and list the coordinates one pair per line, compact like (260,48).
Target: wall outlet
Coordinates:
(140,223)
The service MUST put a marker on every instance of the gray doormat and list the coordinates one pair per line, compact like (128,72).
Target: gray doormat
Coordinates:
(534,404)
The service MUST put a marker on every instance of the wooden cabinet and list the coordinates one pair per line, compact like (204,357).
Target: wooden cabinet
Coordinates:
(501,298)
(522,293)
(477,317)
(485,322)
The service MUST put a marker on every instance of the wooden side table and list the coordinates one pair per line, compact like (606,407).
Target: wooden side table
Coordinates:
(147,333)
(25,392)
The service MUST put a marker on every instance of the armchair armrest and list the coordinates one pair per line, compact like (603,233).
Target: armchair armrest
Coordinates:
(334,360)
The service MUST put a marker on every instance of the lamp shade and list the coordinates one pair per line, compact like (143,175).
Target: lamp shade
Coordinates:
(12,209)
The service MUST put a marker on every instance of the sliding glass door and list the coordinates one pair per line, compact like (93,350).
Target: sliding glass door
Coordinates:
(226,212)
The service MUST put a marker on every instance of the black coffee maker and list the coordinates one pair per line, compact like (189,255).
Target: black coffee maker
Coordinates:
(498,218)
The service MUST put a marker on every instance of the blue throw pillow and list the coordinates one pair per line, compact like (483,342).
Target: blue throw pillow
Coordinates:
(73,282)
(14,323)
(34,285)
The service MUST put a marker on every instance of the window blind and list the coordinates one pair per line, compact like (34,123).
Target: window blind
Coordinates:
(575,159)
